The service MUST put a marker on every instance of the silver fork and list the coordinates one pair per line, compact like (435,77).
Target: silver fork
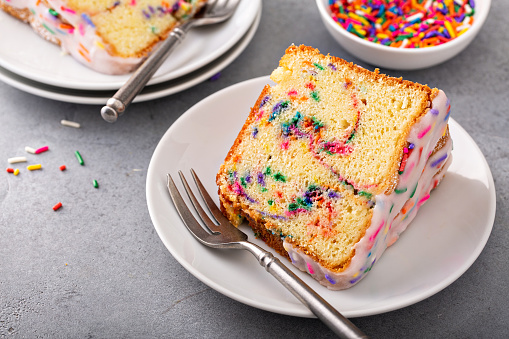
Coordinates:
(214,11)
(225,235)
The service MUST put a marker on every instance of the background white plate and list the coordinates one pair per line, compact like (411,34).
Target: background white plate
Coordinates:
(24,53)
(442,242)
(148,93)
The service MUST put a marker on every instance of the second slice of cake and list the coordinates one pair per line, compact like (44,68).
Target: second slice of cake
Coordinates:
(334,162)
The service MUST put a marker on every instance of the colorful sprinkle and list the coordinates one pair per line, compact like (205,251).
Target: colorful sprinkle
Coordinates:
(42,149)
(10,170)
(16,160)
(57,206)
(404,24)
(70,123)
(16,171)
(29,150)
(215,77)
(63,168)
(95,183)
(439,160)
(34,167)
(80,159)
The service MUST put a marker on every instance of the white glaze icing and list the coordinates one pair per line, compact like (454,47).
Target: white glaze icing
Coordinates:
(388,222)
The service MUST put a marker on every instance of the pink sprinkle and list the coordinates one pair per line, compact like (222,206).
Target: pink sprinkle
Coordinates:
(260,115)
(424,132)
(405,150)
(133,3)
(68,10)
(373,236)
(81,29)
(310,269)
(42,149)
(426,197)
(284,145)
(292,92)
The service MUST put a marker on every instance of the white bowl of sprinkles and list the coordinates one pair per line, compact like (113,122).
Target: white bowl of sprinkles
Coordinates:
(421,34)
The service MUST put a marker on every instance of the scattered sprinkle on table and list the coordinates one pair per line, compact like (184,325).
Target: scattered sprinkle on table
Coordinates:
(16,171)
(62,168)
(215,76)
(404,24)
(34,167)
(29,150)
(96,184)
(80,159)
(42,149)
(10,170)
(57,206)
(70,123)
(16,160)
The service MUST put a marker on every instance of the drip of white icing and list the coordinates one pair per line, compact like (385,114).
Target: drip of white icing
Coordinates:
(388,222)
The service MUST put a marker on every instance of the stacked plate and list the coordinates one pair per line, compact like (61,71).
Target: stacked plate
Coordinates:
(33,65)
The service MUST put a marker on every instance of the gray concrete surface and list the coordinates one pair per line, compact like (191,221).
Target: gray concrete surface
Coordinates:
(97,269)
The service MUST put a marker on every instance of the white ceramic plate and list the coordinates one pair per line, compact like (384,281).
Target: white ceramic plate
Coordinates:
(24,53)
(148,93)
(438,247)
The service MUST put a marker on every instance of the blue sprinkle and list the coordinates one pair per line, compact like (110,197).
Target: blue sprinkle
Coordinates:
(265,100)
(329,278)
(439,160)
(215,76)
(87,19)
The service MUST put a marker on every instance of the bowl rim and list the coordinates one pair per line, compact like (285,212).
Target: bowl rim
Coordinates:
(480,18)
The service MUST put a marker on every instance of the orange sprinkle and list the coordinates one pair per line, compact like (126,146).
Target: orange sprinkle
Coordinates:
(84,56)
(83,47)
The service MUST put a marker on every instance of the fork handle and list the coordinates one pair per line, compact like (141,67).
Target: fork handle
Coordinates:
(343,327)
(116,105)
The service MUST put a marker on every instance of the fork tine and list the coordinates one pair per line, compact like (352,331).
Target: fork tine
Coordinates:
(185,214)
(211,205)
(197,206)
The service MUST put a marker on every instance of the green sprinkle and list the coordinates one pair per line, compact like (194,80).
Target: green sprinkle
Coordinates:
(270,202)
(80,159)
(415,189)
(365,194)
(390,211)
(293,206)
(96,185)
(400,191)
(263,189)
(48,29)
(267,171)
(312,187)
(320,67)
(279,177)
(315,96)
(53,12)
(243,182)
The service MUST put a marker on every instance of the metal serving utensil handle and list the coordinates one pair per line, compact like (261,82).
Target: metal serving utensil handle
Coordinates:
(116,105)
(343,327)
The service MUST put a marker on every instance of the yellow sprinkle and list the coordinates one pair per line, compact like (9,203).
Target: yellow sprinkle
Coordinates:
(356,274)
(16,171)
(462,31)
(34,167)
(450,29)
(99,44)
(359,18)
